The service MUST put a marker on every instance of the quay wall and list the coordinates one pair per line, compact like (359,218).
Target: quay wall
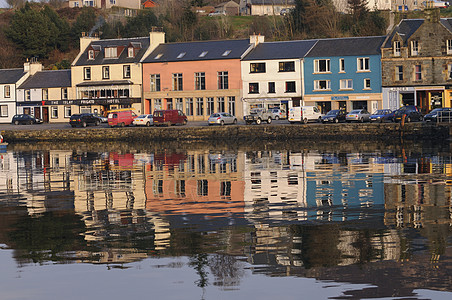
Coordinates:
(239,133)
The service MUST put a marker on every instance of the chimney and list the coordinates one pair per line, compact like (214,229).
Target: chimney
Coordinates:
(32,66)
(256,39)
(85,40)
(156,37)
(432,15)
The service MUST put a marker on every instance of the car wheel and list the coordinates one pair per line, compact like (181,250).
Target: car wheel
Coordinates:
(148,124)
(305,120)
(16,122)
(235,121)
(258,121)
(84,124)
(97,123)
(184,123)
(361,120)
(408,120)
(221,123)
(269,121)
(277,118)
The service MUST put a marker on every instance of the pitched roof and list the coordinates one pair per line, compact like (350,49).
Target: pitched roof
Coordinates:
(281,50)
(204,50)
(123,57)
(447,22)
(10,76)
(48,79)
(347,46)
(405,29)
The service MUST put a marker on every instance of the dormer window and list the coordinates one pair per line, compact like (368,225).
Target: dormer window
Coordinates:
(204,53)
(396,48)
(449,47)
(181,55)
(226,53)
(414,48)
(158,56)
(111,52)
(130,52)
(91,54)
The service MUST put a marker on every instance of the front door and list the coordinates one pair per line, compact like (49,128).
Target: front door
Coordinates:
(45,114)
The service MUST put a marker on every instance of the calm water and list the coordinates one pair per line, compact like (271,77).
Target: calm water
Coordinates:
(188,222)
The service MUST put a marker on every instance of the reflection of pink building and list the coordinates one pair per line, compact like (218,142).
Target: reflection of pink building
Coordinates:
(199,78)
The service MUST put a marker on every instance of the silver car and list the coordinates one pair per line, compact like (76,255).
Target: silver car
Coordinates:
(358,115)
(221,118)
(144,120)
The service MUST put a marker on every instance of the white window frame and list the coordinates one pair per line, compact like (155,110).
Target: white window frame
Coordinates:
(67,111)
(449,72)
(317,85)
(341,65)
(158,104)
(200,81)
(155,83)
(91,54)
(27,95)
(398,73)
(317,66)
(346,84)
(363,64)
(126,71)
(111,52)
(45,94)
(54,112)
(64,93)
(223,80)
(449,47)
(367,84)
(86,73)
(105,72)
(3,110)
(414,48)
(130,52)
(177,82)
(7,91)
(417,73)
(397,48)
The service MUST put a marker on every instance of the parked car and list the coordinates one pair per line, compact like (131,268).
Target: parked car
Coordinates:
(358,115)
(84,120)
(304,114)
(334,116)
(258,115)
(144,120)
(25,119)
(169,117)
(121,117)
(443,114)
(411,114)
(382,115)
(222,118)
(103,119)
(278,113)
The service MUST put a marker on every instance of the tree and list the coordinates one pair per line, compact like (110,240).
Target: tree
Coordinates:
(141,24)
(358,9)
(84,23)
(61,37)
(15,3)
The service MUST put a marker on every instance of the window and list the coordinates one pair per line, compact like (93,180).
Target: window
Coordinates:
(225,189)
(367,84)
(449,47)
(346,84)
(45,94)
(254,88)
(399,73)
(363,64)
(322,85)
(105,72)
(27,95)
(3,110)
(54,112)
(67,111)
(91,54)
(290,86)
(157,104)
(449,71)
(341,65)
(223,82)
(64,94)
(202,187)
(177,82)
(226,53)
(287,66)
(200,81)
(231,105)
(397,48)
(126,71)
(179,104)
(155,83)
(271,88)
(87,73)
(189,106)
(220,101)
(414,48)
(210,106)
(204,53)
(257,68)
(322,66)
(7,91)
(199,106)
(130,52)
(417,72)
(182,54)
(111,52)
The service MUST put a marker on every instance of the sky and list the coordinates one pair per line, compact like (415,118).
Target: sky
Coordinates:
(3,3)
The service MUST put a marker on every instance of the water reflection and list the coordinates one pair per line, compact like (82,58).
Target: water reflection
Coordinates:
(378,217)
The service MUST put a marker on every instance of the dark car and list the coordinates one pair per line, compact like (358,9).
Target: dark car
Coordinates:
(443,114)
(382,115)
(334,116)
(84,120)
(25,119)
(410,112)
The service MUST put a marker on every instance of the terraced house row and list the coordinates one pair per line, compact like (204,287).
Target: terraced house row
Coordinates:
(411,65)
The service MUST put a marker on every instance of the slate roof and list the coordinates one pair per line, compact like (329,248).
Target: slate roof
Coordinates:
(10,76)
(213,50)
(447,22)
(347,46)
(280,50)
(405,29)
(48,79)
(122,59)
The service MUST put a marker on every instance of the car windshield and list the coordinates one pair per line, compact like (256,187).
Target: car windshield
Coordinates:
(332,112)
(436,110)
(215,115)
(355,111)
(380,112)
(141,116)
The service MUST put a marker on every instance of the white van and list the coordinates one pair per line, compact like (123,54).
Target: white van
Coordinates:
(305,114)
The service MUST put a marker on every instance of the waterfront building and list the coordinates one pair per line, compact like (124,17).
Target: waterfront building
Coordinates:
(199,78)
(344,73)
(265,7)
(46,94)
(417,63)
(272,74)
(106,74)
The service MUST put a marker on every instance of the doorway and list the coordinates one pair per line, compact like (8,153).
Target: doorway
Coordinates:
(45,114)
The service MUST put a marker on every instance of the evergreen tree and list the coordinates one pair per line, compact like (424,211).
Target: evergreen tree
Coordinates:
(141,24)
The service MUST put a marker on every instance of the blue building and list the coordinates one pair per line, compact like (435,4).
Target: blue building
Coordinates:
(344,73)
